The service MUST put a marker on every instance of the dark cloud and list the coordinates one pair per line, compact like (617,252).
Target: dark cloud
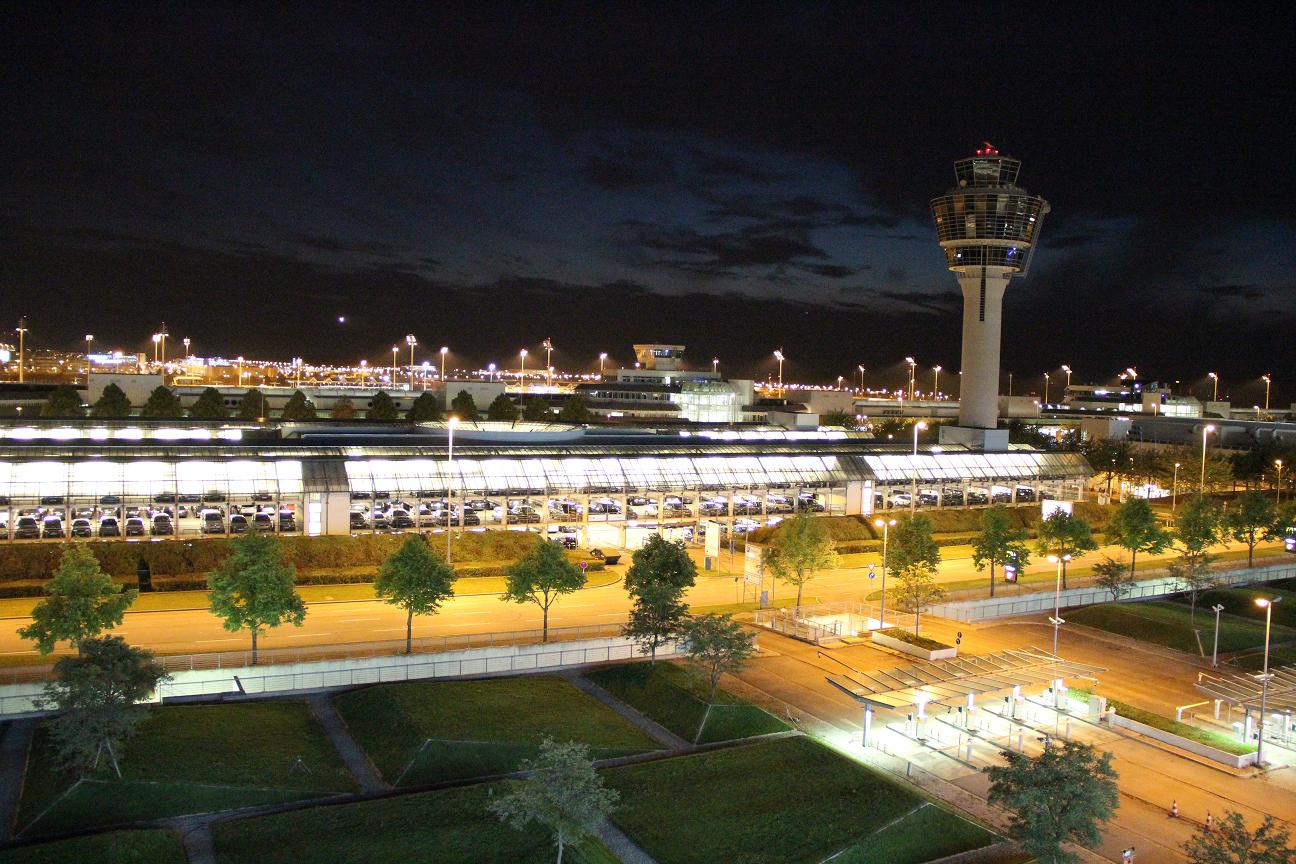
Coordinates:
(1243,292)
(749,247)
(831,271)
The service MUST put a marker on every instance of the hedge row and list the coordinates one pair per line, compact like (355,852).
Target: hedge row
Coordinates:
(199,556)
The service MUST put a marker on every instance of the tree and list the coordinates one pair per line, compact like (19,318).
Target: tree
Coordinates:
(112,404)
(1113,576)
(96,695)
(463,407)
(839,420)
(253,590)
(253,406)
(381,407)
(717,644)
(64,401)
(536,410)
(1063,795)
(1134,527)
(502,408)
(1108,456)
(542,576)
(916,589)
(343,409)
(1229,841)
(562,792)
(209,405)
(82,603)
(998,543)
(575,411)
(162,404)
(800,548)
(1197,528)
(416,580)
(1250,520)
(912,543)
(424,409)
(299,408)
(1062,534)
(656,581)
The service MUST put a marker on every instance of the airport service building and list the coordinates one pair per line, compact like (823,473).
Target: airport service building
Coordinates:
(157,481)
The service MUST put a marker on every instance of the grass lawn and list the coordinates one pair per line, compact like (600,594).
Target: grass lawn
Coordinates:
(114,847)
(1218,740)
(478,727)
(922,835)
(1241,602)
(191,759)
(1167,623)
(777,802)
(451,826)
(675,696)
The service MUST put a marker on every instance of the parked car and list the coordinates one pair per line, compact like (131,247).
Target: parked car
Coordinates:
(400,519)
(238,524)
(52,527)
(213,522)
(135,526)
(81,528)
(287,521)
(109,527)
(27,528)
(358,522)
(567,541)
(262,523)
(162,525)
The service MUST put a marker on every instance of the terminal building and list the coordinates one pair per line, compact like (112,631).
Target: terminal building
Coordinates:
(135,480)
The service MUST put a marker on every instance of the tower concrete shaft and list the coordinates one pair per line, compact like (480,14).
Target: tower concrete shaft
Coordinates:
(987,227)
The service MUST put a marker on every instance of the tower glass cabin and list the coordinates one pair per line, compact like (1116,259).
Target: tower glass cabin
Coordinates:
(987,227)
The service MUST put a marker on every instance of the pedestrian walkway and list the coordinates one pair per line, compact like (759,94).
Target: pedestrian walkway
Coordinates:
(622,846)
(355,759)
(15,740)
(197,839)
(648,725)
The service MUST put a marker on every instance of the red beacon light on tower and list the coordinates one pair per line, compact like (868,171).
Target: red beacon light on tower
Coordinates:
(987,149)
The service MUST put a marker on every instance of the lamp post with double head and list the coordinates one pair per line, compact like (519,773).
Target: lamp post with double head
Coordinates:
(778,355)
(885,525)
(1056,620)
(1267,604)
(444,351)
(936,370)
(913,365)
(913,498)
(522,374)
(1214,386)
(1268,379)
(450,427)
(1206,430)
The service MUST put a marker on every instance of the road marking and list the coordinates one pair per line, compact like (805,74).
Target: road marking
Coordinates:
(305,635)
(214,641)
(357,620)
(15,653)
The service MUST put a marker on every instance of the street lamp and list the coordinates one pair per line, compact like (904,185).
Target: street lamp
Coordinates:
(913,498)
(1217,609)
(1266,604)
(936,370)
(490,371)
(1067,370)
(1174,489)
(1215,389)
(444,351)
(1268,380)
(522,374)
(411,342)
(162,334)
(186,345)
(547,344)
(602,360)
(1278,490)
(450,427)
(395,351)
(885,525)
(157,339)
(778,355)
(913,365)
(1056,620)
(22,332)
(240,370)
(715,365)
(1046,388)
(427,372)
(1206,431)
(860,367)
(89,340)
(840,379)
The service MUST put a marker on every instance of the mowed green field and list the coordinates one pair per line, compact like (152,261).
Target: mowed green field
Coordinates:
(189,759)
(1169,624)
(675,696)
(450,826)
(113,847)
(441,730)
(785,801)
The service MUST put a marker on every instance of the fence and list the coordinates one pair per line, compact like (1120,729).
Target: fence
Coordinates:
(352,671)
(1042,601)
(820,622)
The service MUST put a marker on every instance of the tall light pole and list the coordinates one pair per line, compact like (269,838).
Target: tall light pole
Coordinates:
(490,371)
(1268,379)
(860,367)
(1206,431)
(913,498)
(885,525)
(1278,490)
(1056,620)
(1046,388)
(240,370)
(450,427)
(162,332)
(778,355)
(1174,489)
(22,344)
(445,349)
(1067,370)
(395,351)
(602,361)
(913,365)
(1266,604)
(936,370)
(186,345)
(547,344)
(1217,609)
(715,365)
(522,374)
(157,339)
(411,342)
(89,341)
(1215,389)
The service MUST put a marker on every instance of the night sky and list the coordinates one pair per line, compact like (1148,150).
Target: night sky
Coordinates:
(734,176)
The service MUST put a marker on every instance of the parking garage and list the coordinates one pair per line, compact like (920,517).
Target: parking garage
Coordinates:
(601,487)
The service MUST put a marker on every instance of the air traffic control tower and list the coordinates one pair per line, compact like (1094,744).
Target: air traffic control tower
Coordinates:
(987,227)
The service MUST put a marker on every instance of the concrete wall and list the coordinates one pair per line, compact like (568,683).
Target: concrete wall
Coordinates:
(1229,759)
(286,678)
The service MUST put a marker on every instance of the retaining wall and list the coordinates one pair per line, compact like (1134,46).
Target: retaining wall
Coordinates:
(1230,759)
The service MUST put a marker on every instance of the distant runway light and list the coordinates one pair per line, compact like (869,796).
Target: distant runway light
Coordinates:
(341,319)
